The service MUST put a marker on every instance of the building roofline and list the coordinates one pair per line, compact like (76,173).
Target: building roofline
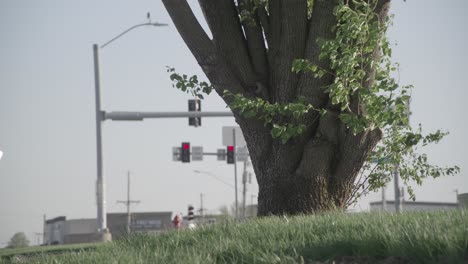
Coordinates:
(56,219)
(141,213)
(416,203)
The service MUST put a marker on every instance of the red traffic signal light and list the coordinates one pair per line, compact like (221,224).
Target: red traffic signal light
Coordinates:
(230,154)
(185,152)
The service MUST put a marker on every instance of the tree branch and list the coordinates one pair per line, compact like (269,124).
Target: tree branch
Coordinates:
(265,21)
(356,107)
(203,49)
(352,153)
(320,27)
(256,47)
(191,31)
(223,20)
(289,31)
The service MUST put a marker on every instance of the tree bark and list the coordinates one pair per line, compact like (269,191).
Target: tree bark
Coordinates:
(312,172)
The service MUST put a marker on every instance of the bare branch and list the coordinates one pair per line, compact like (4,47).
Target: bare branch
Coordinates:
(191,31)
(265,21)
(205,52)
(289,33)
(256,47)
(223,20)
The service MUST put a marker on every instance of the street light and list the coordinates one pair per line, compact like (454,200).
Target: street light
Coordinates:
(131,28)
(100,117)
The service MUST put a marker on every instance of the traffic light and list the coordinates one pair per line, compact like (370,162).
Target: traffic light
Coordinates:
(185,152)
(191,215)
(230,154)
(194,105)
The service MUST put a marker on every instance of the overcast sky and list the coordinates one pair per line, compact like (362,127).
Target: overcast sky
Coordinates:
(47,118)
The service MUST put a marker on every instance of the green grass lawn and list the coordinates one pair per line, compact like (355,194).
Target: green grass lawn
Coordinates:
(439,237)
(7,254)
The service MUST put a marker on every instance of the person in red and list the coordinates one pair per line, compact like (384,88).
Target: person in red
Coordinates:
(177,221)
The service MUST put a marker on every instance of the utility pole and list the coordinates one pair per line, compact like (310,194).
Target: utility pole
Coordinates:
(244,189)
(235,170)
(128,202)
(251,205)
(201,207)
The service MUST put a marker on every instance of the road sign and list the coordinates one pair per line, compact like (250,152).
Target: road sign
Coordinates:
(197,153)
(242,153)
(221,154)
(175,153)
(228,136)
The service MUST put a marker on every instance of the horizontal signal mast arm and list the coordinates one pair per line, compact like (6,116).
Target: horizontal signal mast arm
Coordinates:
(139,116)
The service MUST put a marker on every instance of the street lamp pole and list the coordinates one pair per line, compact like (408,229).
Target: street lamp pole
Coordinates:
(103,231)
(100,188)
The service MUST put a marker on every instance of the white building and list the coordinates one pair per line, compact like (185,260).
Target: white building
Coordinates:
(59,230)
(412,206)
(389,206)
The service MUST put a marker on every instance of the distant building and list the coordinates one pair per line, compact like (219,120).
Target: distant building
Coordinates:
(53,234)
(413,206)
(153,222)
(463,200)
(59,230)
(79,231)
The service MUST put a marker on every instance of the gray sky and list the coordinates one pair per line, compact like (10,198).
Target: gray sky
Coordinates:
(47,125)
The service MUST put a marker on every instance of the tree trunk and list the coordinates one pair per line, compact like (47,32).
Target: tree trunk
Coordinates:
(309,173)
(317,170)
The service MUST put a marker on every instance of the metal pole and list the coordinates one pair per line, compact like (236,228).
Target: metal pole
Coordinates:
(129,217)
(139,116)
(396,176)
(201,208)
(100,185)
(244,189)
(384,200)
(251,205)
(235,170)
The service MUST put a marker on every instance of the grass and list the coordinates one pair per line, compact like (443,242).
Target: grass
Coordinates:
(437,237)
(34,251)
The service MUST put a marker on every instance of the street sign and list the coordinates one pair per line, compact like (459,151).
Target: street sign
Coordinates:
(221,154)
(197,153)
(228,136)
(175,153)
(242,153)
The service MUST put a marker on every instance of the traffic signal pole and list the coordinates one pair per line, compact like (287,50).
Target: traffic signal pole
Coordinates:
(235,171)
(100,188)
(139,116)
